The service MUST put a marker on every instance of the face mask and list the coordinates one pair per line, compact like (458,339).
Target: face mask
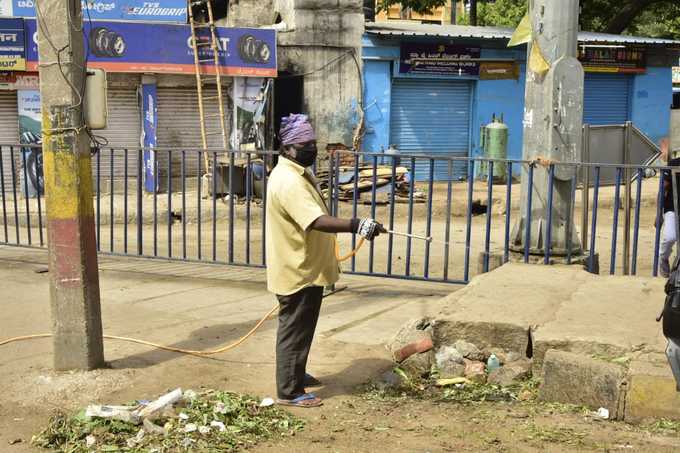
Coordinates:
(306,156)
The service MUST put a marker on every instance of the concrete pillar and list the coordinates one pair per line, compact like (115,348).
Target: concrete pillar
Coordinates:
(553,117)
(74,279)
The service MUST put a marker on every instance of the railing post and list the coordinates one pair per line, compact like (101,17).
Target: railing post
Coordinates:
(140,214)
(627,198)
(585,189)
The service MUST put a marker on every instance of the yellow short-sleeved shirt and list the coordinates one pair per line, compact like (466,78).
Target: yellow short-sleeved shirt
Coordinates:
(297,257)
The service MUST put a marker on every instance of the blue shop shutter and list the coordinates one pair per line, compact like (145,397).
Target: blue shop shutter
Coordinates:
(606,99)
(431,117)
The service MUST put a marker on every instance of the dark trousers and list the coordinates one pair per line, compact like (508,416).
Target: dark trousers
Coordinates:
(298,315)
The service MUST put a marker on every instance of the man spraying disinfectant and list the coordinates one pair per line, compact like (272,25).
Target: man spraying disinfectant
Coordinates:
(301,258)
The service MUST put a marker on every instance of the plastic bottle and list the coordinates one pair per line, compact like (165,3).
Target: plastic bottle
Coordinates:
(493,363)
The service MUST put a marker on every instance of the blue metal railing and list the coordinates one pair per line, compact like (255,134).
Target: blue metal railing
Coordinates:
(201,218)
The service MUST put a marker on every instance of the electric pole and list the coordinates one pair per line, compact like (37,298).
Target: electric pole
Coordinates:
(553,122)
(74,274)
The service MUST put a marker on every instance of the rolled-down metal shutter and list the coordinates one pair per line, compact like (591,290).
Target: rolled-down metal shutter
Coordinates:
(123,131)
(606,99)
(432,117)
(179,125)
(9,135)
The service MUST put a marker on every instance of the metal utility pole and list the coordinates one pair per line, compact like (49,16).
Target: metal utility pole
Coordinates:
(74,277)
(553,117)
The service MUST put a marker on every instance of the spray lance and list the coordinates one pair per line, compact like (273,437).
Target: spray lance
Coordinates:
(366,230)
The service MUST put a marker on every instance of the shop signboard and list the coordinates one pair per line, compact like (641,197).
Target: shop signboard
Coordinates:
(13,81)
(612,59)
(12,49)
(166,48)
(443,59)
(128,10)
(499,70)
(676,75)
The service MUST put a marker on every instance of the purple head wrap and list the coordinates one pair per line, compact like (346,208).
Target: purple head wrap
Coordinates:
(296,129)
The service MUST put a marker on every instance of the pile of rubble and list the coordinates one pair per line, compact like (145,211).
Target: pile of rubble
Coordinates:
(384,181)
(415,352)
(209,420)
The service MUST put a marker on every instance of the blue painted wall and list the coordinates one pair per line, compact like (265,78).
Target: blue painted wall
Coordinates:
(377,100)
(651,101)
(498,97)
(651,98)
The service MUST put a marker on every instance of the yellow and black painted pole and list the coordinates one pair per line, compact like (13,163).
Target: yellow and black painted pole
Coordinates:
(74,276)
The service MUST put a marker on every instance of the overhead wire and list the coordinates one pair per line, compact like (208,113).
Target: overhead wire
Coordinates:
(319,69)
(79,92)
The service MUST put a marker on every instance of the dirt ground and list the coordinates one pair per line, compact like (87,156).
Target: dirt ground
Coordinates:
(200,306)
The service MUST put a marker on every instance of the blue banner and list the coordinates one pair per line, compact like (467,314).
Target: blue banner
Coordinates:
(30,133)
(149,127)
(12,45)
(166,48)
(127,10)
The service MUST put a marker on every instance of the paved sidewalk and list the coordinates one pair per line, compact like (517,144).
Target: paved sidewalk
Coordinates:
(193,306)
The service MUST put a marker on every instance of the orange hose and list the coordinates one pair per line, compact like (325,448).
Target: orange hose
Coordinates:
(350,254)
(191,351)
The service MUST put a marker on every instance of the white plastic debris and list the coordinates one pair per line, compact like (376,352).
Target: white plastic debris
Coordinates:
(220,408)
(190,428)
(90,441)
(603,413)
(190,395)
(44,379)
(158,405)
(219,425)
(204,429)
(183,416)
(267,402)
(123,413)
(134,441)
(152,428)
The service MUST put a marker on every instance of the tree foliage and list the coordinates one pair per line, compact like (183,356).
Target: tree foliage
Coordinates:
(418,6)
(655,18)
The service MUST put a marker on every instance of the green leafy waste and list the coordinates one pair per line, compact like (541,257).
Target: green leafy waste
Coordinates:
(245,424)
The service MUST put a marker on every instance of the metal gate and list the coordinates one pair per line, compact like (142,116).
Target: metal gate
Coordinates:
(606,99)
(432,117)
(179,124)
(123,130)
(9,133)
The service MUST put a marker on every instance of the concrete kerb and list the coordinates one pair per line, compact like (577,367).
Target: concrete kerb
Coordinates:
(593,340)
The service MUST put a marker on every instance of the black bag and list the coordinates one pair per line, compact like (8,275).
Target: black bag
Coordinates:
(671,310)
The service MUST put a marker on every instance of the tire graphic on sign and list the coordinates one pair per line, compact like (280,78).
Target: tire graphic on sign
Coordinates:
(106,43)
(253,50)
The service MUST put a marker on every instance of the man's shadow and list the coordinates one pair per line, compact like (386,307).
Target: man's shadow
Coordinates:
(206,338)
(350,380)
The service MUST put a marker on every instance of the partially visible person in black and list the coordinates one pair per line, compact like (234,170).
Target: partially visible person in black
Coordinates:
(668,238)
